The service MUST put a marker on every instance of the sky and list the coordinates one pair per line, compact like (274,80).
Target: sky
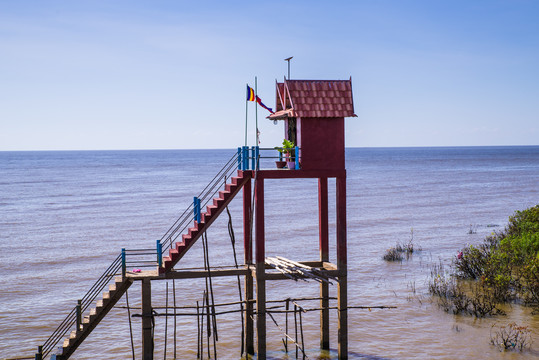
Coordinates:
(107,75)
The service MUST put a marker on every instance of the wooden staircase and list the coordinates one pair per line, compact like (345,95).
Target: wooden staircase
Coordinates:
(102,307)
(207,218)
(122,283)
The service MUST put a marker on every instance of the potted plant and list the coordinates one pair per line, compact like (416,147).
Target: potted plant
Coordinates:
(280,163)
(289,151)
(287,155)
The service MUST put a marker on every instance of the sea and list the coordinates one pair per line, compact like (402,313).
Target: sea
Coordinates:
(66,215)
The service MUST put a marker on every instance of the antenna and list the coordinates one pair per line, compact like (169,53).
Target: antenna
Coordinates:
(288,60)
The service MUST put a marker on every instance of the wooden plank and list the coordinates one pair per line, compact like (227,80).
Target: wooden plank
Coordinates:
(299,174)
(193,274)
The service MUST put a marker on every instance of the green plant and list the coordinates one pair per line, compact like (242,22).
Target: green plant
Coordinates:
(505,267)
(288,148)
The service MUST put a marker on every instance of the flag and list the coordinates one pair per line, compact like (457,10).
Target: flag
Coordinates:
(250,94)
(264,106)
(252,97)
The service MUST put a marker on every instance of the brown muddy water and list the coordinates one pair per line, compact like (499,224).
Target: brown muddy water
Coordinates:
(64,216)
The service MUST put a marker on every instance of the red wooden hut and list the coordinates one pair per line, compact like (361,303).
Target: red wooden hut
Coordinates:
(313,112)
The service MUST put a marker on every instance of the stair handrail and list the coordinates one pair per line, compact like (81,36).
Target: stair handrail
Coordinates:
(88,299)
(219,180)
(118,265)
(185,219)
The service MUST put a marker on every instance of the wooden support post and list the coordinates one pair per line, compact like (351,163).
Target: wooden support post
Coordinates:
(247,216)
(79,315)
(147,341)
(260,270)
(39,354)
(324,256)
(342,293)
(248,258)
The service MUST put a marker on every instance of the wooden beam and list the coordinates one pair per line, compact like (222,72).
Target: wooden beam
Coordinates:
(248,259)
(193,274)
(323,233)
(299,174)
(261,311)
(260,269)
(147,340)
(280,276)
(342,292)
(247,225)
(249,315)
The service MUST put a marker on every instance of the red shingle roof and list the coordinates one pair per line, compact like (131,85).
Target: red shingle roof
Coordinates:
(314,98)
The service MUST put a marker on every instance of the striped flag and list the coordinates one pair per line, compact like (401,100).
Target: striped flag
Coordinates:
(252,97)
(250,94)
(264,106)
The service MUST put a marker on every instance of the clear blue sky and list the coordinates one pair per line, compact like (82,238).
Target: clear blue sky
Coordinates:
(171,74)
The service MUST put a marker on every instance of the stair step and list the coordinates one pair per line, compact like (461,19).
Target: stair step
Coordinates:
(235,180)
(193,231)
(186,239)
(73,334)
(218,201)
(210,210)
(230,187)
(205,217)
(224,194)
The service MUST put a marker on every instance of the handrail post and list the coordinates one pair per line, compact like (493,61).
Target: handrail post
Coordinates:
(296,151)
(253,159)
(280,156)
(159,253)
(196,209)
(39,354)
(123,263)
(257,156)
(239,158)
(245,158)
(79,314)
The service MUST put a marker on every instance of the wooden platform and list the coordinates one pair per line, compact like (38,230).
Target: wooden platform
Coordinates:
(243,270)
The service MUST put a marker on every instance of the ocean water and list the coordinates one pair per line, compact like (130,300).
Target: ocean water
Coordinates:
(64,216)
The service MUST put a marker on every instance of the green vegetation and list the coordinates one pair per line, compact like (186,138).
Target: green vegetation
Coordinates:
(504,268)
(288,148)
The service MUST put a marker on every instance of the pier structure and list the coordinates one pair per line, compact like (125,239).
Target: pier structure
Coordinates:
(313,113)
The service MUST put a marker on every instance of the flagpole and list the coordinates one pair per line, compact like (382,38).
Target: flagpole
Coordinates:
(246,110)
(256,113)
